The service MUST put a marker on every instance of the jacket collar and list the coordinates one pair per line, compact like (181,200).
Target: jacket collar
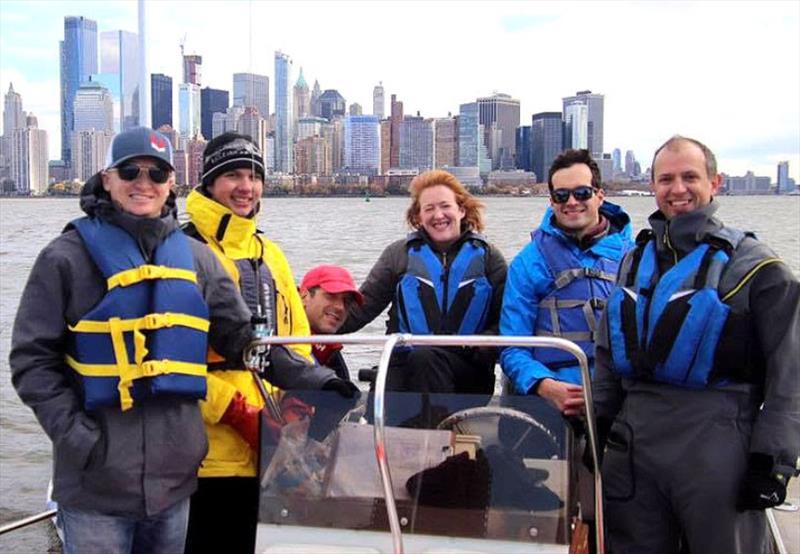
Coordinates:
(685,231)
(219,225)
(619,228)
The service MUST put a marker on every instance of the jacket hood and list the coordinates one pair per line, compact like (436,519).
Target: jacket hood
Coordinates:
(216,223)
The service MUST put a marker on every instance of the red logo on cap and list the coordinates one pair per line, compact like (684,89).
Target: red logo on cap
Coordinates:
(158,143)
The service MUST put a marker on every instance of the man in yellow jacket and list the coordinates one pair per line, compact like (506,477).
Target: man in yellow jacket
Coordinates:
(224,510)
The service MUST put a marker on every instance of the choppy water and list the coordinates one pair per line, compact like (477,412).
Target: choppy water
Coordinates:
(350,232)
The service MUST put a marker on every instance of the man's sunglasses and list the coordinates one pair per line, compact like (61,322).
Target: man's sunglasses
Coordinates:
(131,172)
(581,194)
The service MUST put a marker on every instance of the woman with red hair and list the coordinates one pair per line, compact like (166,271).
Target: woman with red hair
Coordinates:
(444,278)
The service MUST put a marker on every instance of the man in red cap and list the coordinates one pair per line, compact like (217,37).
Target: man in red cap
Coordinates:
(327,292)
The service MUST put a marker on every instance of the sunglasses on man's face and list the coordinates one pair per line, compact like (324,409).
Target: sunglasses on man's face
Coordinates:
(581,194)
(131,172)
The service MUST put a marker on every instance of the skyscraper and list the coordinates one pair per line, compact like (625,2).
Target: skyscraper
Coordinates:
(523,148)
(192,64)
(446,137)
(161,98)
(189,108)
(13,118)
(630,164)
(302,98)
(594,124)
(396,119)
(499,115)
(316,92)
(284,152)
(546,142)
(472,150)
(29,158)
(250,89)
(211,101)
(89,149)
(362,144)
(616,158)
(417,145)
(119,55)
(93,108)
(576,126)
(355,109)
(378,102)
(332,104)
(78,53)
(784,184)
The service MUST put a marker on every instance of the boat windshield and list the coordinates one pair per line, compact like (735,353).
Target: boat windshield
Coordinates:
(462,465)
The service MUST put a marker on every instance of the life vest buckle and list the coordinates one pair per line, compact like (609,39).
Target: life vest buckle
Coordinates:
(158,321)
(151,368)
(592,272)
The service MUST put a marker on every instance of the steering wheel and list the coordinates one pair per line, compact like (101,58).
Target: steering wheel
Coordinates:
(454,421)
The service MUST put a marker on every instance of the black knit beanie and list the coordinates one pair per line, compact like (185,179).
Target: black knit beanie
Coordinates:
(230,151)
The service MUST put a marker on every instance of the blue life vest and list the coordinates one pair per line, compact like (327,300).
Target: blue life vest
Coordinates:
(668,327)
(435,298)
(148,334)
(571,310)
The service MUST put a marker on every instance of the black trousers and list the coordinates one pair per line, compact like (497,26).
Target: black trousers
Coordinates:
(223,515)
(442,370)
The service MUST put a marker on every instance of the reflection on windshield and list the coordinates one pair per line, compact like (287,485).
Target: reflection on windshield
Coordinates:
(461,465)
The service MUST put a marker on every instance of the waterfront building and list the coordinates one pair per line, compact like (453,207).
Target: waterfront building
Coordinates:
(523,148)
(747,184)
(386,145)
(417,144)
(469,176)
(189,109)
(78,60)
(616,157)
(227,121)
(630,164)
(181,163)
(284,152)
(312,156)
(396,118)
(594,118)
(355,109)
(499,115)
(211,101)
(89,148)
(334,132)
(192,64)
(269,153)
(309,127)
(606,165)
(171,134)
(362,144)
(576,126)
(316,92)
(29,156)
(119,56)
(546,142)
(110,81)
(253,125)
(446,141)
(332,104)
(302,99)
(13,118)
(471,147)
(161,98)
(784,184)
(194,160)
(93,108)
(251,89)
(378,101)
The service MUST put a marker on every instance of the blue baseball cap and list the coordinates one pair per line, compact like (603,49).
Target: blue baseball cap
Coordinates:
(137,143)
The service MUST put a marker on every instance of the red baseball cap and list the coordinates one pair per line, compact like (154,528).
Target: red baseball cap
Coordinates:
(333,279)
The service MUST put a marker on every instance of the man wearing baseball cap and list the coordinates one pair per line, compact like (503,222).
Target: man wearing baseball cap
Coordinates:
(109,351)
(327,292)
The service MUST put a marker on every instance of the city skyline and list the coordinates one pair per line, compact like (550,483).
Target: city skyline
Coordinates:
(664,68)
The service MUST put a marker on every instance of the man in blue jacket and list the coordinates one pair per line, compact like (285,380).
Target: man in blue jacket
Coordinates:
(557,285)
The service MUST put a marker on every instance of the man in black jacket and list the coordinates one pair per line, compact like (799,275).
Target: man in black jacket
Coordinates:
(109,348)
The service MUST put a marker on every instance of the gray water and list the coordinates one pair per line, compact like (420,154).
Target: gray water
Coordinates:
(346,231)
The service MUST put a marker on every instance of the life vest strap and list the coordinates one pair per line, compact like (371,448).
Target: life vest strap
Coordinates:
(148,322)
(145,272)
(566,277)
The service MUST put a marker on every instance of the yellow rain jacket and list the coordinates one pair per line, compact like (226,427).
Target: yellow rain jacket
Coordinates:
(228,454)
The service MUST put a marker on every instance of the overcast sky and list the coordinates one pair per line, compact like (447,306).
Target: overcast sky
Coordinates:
(727,73)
